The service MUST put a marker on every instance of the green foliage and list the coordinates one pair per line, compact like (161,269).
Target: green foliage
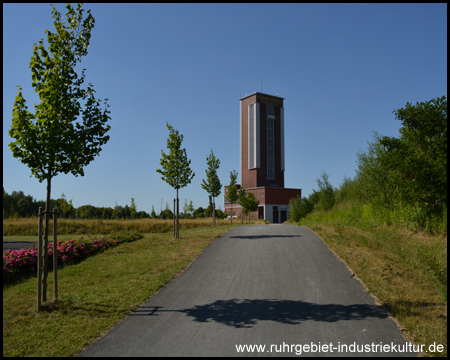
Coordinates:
(64,208)
(67,209)
(175,169)
(188,209)
(348,190)
(17,204)
(221,214)
(166,214)
(417,161)
(115,213)
(300,207)
(326,193)
(191,208)
(127,212)
(198,211)
(153,213)
(88,212)
(248,201)
(47,141)
(242,197)
(212,184)
(251,203)
(232,195)
(373,178)
(207,212)
(399,182)
(133,209)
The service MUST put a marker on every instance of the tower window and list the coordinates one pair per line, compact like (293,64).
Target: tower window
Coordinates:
(251,133)
(270,110)
(253,136)
(270,150)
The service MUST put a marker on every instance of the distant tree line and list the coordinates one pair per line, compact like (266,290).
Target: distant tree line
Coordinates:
(18,205)
(189,212)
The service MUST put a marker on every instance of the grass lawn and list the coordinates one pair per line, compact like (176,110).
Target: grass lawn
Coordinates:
(96,294)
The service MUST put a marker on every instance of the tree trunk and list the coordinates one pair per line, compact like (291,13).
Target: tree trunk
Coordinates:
(214,212)
(178,214)
(231,214)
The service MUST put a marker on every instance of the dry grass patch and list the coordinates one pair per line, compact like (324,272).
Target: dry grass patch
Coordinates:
(29,227)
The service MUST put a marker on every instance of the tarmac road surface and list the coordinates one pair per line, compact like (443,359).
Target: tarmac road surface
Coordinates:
(277,286)
(18,245)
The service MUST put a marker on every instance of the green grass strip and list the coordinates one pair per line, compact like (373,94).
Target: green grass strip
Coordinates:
(96,294)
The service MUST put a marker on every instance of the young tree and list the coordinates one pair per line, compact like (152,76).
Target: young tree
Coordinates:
(127,212)
(153,213)
(212,184)
(133,209)
(175,169)
(166,213)
(115,213)
(373,177)
(65,206)
(232,195)
(251,204)
(191,208)
(188,209)
(300,207)
(198,213)
(48,141)
(242,201)
(326,192)
(185,209)
(248,201)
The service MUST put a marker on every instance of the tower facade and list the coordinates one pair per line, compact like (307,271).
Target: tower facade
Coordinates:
(262,162)
(262,141)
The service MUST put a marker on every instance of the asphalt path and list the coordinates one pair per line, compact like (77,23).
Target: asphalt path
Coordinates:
(275,286)
(18,245)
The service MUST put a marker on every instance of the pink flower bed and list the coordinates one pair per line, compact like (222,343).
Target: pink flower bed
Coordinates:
(22,261)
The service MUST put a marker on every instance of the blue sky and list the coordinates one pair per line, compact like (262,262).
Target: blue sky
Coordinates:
(343,69)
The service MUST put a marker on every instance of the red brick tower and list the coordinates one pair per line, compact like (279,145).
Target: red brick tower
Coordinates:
(262,156)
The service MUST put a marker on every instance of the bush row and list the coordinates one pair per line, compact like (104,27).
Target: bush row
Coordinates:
(24,261)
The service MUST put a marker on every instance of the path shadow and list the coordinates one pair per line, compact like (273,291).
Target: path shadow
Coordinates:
(253,237)
(246,313)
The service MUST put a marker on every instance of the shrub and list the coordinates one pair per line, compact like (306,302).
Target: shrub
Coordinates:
(299,208)
(22,261)
(326,193)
